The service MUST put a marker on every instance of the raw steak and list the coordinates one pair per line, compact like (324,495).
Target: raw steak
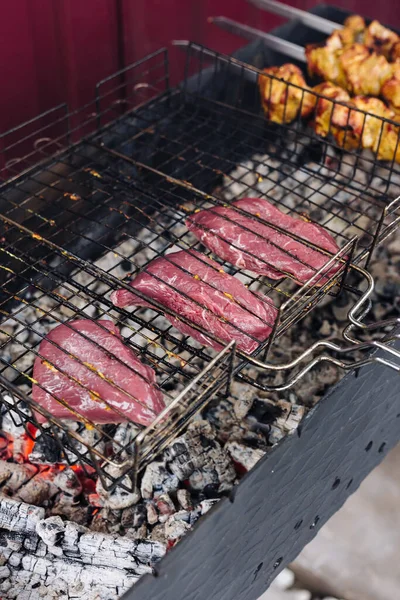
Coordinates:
(138,399)
(197,289)
(249,244)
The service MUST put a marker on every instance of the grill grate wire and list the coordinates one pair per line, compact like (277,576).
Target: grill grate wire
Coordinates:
(151,155)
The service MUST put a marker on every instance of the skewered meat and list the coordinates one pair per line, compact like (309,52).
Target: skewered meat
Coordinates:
(86,365)
(323,62)
(356,57)
(233,234)
(365,72)
(353,67)
(356,24)
(375,134)
(395,53)
(391,88)
(329,117)
(353,129)
(380,38)
(282,103)
(198,290)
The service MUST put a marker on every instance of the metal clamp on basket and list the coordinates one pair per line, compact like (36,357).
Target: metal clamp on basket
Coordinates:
(356,315)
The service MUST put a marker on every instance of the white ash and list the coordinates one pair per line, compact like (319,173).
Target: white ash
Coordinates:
(44,557)
(19,516)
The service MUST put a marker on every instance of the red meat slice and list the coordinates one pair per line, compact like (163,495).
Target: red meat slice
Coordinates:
(108,363)
(197,289)
(249,244)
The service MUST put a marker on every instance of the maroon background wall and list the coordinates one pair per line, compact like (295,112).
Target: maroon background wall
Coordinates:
(54,51)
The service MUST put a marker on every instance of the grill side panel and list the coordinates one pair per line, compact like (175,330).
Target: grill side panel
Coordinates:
(238,548)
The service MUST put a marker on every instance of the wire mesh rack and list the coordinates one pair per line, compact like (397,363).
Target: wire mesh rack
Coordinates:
(107,190)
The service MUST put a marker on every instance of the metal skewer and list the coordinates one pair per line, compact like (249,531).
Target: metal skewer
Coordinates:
(283,10)
(250,33)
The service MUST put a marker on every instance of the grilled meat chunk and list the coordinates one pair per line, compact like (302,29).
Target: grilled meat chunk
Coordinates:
(362,70)
(380,38)
(199,291)
(375,134)
(365,72)
(286,99)
(391,88)
(323,62)
(329,117)
(356,24)
(395,53)
(234,235)
(85,365)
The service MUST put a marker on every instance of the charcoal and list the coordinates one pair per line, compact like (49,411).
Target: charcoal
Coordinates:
(158,534)
(51,555)
(244,456)
(123,440)
(58,446)
(27,483)
(291,416)
(13,477)
(242,397)
(201,479)
(165,507)
(105,521)
(14,426)
(51,531)
(68,482)
(140,533)
(222,416)
(184,499)
(152,514)
(77,513)
(206,505)
(158,480)
(121,495)
(19,516)
(46,450)
(180,459)
(134,516)
(197,456)
(264,411)
(175,528)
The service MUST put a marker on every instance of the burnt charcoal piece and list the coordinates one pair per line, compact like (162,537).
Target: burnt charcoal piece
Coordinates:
(134,516)
(46,450)
(157,480)
(264,412)
(198,457)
